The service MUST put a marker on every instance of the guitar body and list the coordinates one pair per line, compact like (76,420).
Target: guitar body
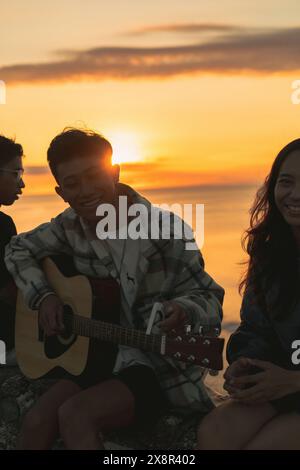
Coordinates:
(68,355)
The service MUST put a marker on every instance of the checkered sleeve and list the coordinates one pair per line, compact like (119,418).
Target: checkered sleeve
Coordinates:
(197,292)
(24,253)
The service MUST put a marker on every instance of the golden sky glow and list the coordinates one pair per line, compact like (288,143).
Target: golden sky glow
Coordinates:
(187,94)
(125,147)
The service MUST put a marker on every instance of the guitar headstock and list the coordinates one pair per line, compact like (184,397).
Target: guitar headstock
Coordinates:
(205,351)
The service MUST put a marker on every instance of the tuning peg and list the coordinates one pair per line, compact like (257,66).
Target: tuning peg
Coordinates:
(192,339)
(217,331)
(177,355)
(187,329)
(191,358)
(206,342)
(201,330)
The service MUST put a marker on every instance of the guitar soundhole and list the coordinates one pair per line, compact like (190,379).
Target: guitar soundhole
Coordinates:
(67,320)
(57,345)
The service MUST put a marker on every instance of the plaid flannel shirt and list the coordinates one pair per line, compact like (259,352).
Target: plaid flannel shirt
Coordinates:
(164,270)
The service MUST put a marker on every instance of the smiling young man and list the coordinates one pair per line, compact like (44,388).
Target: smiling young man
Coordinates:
(11,185)
(140,384)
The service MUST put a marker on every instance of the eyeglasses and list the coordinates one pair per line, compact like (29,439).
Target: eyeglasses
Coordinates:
(19,173)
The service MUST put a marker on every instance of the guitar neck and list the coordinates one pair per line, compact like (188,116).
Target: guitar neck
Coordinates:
(116,334)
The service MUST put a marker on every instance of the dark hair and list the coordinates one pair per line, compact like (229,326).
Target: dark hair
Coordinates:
(9,150)
(74,143)
(269,242)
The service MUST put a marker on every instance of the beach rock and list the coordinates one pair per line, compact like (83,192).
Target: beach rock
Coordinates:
(18,394)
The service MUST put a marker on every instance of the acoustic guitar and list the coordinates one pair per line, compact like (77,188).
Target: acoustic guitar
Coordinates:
(92,333)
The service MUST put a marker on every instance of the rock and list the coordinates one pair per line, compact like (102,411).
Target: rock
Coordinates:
(18,394)
(171,432)
(9,410)
(6,372)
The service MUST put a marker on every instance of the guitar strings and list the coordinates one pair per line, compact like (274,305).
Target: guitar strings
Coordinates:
(116,333)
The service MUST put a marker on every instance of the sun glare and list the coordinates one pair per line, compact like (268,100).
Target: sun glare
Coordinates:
(125,148)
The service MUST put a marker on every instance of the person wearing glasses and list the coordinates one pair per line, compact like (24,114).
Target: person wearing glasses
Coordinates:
(11,185)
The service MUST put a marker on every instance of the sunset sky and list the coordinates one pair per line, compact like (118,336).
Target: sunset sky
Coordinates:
(193,92)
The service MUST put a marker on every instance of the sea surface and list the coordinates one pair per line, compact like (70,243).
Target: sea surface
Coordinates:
(226,216)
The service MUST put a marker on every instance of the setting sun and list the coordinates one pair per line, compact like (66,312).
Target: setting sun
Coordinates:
(125,147)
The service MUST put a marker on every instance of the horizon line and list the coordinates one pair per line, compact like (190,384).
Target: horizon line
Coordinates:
(192,187)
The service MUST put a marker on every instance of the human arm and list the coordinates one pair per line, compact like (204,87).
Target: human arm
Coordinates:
(23,256)
(197,295)
(253,339)
(270,383)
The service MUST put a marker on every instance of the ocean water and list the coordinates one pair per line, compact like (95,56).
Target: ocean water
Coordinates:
(225,218)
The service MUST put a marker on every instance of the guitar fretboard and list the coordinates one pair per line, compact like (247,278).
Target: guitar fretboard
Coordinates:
(116,334)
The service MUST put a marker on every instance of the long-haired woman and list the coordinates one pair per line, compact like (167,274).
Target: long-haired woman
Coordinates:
(263,378)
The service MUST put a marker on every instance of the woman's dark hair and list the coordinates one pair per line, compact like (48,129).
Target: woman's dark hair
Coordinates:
(9,150)
(74,143)
(272,273)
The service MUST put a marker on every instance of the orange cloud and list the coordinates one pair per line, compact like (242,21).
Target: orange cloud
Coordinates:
(256,52)
(184,28)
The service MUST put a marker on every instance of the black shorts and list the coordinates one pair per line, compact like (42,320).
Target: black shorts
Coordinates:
(150,401)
